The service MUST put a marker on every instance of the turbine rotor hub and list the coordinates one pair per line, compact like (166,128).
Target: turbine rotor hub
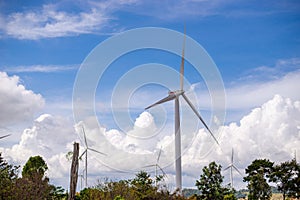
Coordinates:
(177,93)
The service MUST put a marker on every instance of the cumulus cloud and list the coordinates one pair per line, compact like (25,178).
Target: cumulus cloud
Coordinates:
(16,102)
(49,136)
(271,131)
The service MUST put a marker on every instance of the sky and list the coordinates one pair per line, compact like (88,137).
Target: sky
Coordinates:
(242,72)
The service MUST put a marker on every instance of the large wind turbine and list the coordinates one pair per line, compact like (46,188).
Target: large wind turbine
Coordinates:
(174,95)
(86,154)
(232,166)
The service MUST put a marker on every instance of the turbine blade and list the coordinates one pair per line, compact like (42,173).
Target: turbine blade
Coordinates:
(182,63)
(164,174)
(97,151)
(227,167)
(4,136)
(158,155)
(85,141)
(168,98)
(237,170)
(149,166)
(198,115)
(82,154)
(232,156)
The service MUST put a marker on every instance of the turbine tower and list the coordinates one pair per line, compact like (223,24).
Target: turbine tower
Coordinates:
(174,95)
(86,154)
(232,166)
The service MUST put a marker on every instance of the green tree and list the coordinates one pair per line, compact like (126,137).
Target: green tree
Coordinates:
(258,173)
(286,176)
(35,166)
(34,184)
(142,185)
(210,183)
(8,178)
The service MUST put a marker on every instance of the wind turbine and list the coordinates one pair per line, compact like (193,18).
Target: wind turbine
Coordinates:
(232,166)
(174,95)
(156,165)
(86,154)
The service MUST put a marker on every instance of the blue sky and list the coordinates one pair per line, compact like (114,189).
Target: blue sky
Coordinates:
(255,45)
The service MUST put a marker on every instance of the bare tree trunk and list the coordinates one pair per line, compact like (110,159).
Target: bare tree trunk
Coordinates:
(74,171)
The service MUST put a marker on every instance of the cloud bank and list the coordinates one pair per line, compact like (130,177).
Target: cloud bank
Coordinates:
(270,131)
(16,102)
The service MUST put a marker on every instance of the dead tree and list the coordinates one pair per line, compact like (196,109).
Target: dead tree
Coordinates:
(74,171)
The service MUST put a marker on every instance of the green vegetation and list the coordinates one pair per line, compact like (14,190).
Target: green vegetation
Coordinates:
(34,184)
(286,176)
(257,174)
(210,184)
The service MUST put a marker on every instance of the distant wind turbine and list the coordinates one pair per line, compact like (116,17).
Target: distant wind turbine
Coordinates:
(86,154)
(174,95)
(232,166)
(156,165)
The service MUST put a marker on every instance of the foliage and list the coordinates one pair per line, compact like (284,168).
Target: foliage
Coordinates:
(31,186)
(230,197)
(188,192)
(8,177)
(35,166)
(286,176)
(141,187)
(210,183)
(258,173)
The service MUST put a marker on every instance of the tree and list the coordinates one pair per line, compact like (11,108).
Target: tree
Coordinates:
(142,184)
(258,173)
(8,178)
(34,184)
(210,183)
(286,176)
(35,166)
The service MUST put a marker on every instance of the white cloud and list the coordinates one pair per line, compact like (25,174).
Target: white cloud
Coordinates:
(259,86)
(16,102)
(249,95)
(270,131)
(49,20)
(51,137)
(41,68)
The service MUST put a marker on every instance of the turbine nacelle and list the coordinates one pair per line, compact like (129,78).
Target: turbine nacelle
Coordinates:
(176,93)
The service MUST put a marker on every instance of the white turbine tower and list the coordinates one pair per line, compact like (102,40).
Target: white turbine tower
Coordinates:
(174,95)
(232,166)
(86,154)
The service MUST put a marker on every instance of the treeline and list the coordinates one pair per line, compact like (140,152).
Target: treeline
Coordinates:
(259,174)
